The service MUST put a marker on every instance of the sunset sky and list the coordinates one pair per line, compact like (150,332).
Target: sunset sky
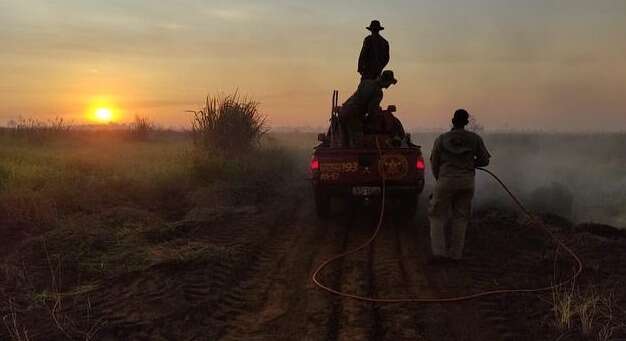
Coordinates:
(515,64)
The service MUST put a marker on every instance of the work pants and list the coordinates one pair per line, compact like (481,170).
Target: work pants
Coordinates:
(451,201)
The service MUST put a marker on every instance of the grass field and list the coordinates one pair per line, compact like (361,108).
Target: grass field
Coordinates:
(86,173)
(98,198)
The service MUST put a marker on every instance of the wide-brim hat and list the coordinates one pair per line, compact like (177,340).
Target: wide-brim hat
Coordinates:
(375,26)
(387,76)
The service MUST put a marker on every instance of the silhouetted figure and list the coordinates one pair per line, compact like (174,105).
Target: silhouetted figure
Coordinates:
(386,123)
(454,158)
(374,53)
(366,100)
(393,126)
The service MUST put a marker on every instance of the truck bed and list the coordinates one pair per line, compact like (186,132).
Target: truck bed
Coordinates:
(355,170)
(359,171)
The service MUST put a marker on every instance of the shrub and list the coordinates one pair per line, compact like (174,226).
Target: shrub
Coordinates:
(142,128)
(228,124)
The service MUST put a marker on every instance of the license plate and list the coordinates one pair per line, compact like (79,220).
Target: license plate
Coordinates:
(365,191)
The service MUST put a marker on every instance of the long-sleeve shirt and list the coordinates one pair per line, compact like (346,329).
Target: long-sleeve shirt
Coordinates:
(374,56)
(457,153)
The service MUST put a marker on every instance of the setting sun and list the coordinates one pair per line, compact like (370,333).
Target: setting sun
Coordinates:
(102,109)
(103,114)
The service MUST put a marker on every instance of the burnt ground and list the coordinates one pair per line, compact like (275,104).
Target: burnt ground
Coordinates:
(249,279)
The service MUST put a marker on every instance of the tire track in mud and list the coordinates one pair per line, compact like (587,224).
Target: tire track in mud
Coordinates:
(198,300)
(277,311)
(242,292)
(357,320)
(323,310)
(390,278)
(313,314)
(290,307)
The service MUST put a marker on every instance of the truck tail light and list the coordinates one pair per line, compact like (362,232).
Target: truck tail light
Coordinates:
(315,163)
(420,165)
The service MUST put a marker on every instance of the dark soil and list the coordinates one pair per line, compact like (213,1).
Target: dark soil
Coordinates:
(245,275)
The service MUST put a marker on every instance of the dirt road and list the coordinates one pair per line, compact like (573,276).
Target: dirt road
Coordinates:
(251,280)
(258,286)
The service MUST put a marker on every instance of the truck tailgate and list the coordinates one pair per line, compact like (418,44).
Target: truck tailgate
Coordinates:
(362,167)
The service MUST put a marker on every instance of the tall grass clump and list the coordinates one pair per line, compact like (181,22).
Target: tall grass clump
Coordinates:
(141,128)
(591,313)
(228,124)
(38,131)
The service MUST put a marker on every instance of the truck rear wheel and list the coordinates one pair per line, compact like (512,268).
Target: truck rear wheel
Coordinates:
(322,202)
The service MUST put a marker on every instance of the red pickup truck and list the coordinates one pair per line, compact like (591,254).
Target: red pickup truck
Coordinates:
(357,172)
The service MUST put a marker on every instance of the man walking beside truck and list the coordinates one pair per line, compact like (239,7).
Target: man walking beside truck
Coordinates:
(454,158)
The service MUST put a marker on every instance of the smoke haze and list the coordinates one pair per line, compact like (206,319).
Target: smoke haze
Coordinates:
(549,171)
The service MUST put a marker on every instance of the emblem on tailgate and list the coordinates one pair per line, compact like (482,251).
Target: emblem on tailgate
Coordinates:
(393,166)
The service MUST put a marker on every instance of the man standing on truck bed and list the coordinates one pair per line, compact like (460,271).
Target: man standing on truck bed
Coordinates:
(374,53)
(454,157)
(366,100)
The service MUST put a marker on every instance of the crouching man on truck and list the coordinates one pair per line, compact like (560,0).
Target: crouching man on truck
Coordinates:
(454,157)
(366,100)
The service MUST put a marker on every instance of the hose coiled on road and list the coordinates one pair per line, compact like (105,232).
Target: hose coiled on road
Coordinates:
(534,221)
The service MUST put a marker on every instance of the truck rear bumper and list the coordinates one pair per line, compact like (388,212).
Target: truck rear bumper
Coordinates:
(369,189)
